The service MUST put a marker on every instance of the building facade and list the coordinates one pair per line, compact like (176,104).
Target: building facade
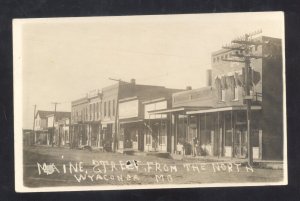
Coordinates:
(41,127)
(217,125)
(58,128)
(86,121)
(137,129)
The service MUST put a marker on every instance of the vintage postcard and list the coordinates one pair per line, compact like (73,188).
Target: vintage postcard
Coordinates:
(149,101)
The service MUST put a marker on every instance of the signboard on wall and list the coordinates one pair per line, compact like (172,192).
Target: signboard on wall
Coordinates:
(129,109)
(155,106)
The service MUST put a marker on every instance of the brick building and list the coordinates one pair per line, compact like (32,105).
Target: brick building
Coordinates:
(136,129)
(216,126)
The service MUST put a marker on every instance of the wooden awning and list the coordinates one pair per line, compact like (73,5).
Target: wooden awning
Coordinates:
(223,109)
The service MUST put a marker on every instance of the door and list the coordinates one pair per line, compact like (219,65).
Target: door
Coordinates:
(240,142)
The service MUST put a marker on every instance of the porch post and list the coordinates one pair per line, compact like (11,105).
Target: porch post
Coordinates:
(176,130)
(219,136)
(160,132)
(205,131)
(224,134)
(232,135)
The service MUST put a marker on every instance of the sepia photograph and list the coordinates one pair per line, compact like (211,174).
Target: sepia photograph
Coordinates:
(149,101)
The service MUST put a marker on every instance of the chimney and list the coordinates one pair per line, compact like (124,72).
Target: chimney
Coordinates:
(132,81)
(188,88)
(209,78)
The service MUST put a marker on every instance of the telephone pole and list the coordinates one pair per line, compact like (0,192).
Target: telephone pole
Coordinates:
(33,127)
(242,46)
(52,136)
(117,113)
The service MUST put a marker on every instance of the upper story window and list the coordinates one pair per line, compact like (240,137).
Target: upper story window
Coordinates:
(109,108)
(223,95)
(104,107)
(235,93)
(97,110)
(114,107)
(90,112)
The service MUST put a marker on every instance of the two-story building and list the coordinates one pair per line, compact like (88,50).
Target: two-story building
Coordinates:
(135,124)
(40,127)
(59,121)
(216,126)
(78,126)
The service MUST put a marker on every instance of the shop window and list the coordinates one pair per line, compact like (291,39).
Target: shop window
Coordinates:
(148,138)
(228,138)
(162,134)
(255,138)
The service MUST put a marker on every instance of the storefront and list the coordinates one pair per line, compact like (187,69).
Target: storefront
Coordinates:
(223,132)
(156,135)
(131,135)
(107,135)
(174,131)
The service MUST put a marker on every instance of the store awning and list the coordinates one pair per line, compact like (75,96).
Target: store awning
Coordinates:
(176,109)
(224,109)
(130,121)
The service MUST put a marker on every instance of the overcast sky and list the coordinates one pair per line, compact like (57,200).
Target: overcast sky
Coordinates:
(64,58)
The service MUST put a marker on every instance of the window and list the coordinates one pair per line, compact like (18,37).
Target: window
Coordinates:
(90,112)
(104,109)
(214,60)
(97,110)
(114,108)
(235,93)
(222,95)
(228,138)
(162,134)
(148,138)
(108,108)
(251,92)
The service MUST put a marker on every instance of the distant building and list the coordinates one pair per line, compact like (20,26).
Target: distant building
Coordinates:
(28,137)
(41,126)
(61,128)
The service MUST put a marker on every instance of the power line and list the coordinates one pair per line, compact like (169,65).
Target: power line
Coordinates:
(243,44)
(52,138)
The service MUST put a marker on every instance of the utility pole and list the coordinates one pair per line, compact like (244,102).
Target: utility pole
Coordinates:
(52,136)
(33,126)
(242,47)
(117,113)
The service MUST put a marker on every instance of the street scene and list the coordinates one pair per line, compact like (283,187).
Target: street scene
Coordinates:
(152,101)
(122,169)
